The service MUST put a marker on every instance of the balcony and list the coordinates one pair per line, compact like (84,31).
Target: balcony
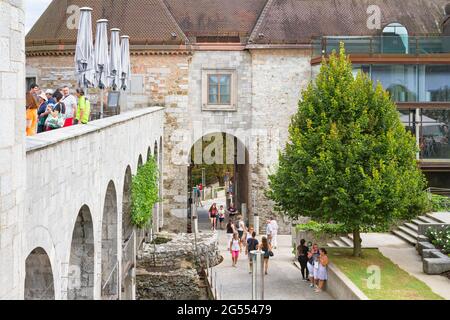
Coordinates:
(405,46)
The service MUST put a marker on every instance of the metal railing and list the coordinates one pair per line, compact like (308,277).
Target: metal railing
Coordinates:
(128,252)
(408,45)
(110,289)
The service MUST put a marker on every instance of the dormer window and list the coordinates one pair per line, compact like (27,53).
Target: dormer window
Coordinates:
(395,39)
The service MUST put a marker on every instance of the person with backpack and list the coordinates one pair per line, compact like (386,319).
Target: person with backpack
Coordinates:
(252,245)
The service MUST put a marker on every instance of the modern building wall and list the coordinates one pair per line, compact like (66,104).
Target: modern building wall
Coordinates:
(12,149)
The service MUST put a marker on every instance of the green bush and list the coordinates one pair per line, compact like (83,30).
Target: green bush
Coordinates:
(440,239)
(440,203)
(321,229)
(144,194)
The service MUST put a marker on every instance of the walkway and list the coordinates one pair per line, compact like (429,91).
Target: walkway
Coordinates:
(282,283)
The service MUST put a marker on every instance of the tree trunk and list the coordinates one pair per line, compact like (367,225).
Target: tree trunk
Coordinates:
(357,243)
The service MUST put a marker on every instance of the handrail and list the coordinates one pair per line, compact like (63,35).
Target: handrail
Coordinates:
(110,276)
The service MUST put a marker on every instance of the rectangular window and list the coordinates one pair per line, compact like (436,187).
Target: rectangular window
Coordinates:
(434,134)
(437,83)
(399,80)
(219,89)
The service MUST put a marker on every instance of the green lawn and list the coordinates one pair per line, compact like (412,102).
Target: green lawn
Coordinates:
(396,284)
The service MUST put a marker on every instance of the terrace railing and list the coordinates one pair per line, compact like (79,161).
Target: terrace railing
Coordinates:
(379,45)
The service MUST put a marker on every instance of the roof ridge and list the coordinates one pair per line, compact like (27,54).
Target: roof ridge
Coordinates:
(260,20)
(172,18)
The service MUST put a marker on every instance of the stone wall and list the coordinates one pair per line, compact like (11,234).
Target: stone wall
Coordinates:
(279,76)
(12,149)
(180,252)
(70,171)
(174,285)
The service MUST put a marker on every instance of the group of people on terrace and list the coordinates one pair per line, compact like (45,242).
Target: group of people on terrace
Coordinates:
(314,264)
(55,109)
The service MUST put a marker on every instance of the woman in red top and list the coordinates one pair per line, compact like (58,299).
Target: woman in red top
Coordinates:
(213,216)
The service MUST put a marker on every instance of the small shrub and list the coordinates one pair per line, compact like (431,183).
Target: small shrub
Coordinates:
(440,239)
(144,194)
(160,240)
(321,229)
(440,203)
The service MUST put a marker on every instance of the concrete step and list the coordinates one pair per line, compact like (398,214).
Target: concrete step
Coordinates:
(430,215)
(340,244)
(409,232)
(426,219)
(332,245)
(412,226)
(405,237)
(347,241)
(417,222)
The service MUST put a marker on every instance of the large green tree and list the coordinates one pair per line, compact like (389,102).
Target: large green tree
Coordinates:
(349,159)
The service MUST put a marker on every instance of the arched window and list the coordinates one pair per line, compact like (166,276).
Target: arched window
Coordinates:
(395,39)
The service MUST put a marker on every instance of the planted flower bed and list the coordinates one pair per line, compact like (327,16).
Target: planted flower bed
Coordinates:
(440,239)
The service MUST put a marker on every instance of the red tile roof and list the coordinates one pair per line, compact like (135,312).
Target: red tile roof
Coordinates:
(297,21)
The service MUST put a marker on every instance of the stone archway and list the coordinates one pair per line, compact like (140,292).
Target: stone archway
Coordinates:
(39,283)
(110,267)
(223,160)
(82,256)
(128,241)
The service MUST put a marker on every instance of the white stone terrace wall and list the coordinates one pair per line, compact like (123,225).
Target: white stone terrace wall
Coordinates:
(72,167)
(12,149)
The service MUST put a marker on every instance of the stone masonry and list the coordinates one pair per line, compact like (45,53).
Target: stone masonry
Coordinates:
(12,149)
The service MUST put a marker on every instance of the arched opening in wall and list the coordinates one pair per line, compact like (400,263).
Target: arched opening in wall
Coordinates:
(110,266)
(149,153)
(140,161)
(219,173)
(128,240)
(39,276)
(395,39)
(81,265)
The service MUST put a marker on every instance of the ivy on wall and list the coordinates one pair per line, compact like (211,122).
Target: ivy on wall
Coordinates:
(144,194)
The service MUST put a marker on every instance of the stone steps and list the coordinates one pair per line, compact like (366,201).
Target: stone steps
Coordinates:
(412,226)
(404,236)
(343,242)
(430,215)
(413,234)
(427,219)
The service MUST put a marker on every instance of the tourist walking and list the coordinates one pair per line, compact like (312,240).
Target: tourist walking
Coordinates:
(241,229)
(252,245)
(302,252)
(231,230)
(266,247)
(235,248)
(274,225)
(232,210)
(71,106)
(83,109)
(221,217)
(313,264)
(322,274)
(213,216)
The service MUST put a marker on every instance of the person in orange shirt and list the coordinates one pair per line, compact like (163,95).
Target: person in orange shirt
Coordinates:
(32,117)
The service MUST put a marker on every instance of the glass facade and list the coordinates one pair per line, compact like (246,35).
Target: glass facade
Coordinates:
(434,134)
(412,83)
